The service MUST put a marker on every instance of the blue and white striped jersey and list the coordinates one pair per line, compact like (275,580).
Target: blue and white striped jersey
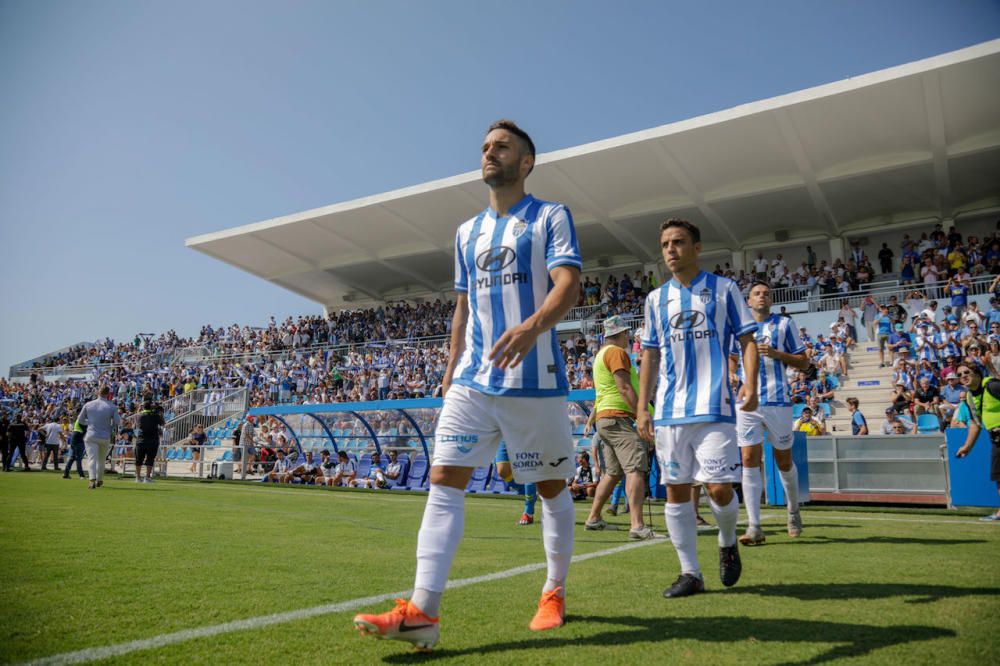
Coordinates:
(503,265)
(694,329)
(772,383)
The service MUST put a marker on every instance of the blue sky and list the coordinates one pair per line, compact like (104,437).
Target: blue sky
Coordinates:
(129,126)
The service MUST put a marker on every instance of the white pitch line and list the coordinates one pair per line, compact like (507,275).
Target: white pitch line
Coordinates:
(952,521)
(93,654)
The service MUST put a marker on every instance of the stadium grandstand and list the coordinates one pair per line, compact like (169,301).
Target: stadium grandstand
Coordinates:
(877,190)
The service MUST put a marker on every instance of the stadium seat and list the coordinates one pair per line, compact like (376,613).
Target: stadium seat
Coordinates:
(797,410)
(480,480)
(415,475)
(928,423)
(834,382)
(188,455)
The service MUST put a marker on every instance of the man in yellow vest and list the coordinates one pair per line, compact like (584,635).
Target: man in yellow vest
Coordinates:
(616,384)
(983,400)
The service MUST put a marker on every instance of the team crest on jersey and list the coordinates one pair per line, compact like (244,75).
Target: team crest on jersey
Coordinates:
(705,295)
(519,228)
(764,339)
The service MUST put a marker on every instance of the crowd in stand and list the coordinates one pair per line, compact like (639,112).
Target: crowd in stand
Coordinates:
(314,359)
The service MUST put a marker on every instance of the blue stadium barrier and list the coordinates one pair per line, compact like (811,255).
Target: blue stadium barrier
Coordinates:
(775,491)
(797,409)
(969,477)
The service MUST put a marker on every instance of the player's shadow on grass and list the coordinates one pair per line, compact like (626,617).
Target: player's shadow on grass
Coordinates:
(820,540)
(838,591)
(851,640)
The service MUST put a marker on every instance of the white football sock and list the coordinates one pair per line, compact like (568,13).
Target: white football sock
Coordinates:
(790,482)
(558,521)
(753,484)
(684,535)
(438,539)
(726,518)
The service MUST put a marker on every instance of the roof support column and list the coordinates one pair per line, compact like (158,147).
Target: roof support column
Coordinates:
(836,249)
(739,261)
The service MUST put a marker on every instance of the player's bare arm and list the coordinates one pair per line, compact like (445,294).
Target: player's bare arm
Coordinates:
(648,373)
(458,323)
(751,366)
(518,340)
(797,361)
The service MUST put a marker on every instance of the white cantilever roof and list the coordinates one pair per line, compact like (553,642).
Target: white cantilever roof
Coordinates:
(920,141)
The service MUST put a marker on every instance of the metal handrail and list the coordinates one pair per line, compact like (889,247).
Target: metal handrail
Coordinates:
(832,301)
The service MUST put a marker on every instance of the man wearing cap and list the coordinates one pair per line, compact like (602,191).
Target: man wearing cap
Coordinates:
(892,418)
(898,341)
(616,385)
(808,424)
(952,395)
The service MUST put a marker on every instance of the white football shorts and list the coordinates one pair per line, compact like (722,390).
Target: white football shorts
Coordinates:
(536,431)
(705,452)
(775,420)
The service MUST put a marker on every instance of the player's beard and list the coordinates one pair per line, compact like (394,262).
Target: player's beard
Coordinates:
(503,176)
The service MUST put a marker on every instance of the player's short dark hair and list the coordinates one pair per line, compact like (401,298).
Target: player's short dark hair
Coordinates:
(512,127)
(759,283)
(694,231)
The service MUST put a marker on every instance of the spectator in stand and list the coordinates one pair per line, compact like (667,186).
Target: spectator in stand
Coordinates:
(822,388)
(929,276)
(902,398)
(885,256)
(859,426)
(808,424)
(899,344)
(894,422)
(760,267)
(800,388)
(884,324)
(150,425)
(907,274)
(926,399)
(869,318)
(957,290)
(896,311)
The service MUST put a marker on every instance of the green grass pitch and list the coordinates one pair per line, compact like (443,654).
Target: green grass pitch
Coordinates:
(88,569)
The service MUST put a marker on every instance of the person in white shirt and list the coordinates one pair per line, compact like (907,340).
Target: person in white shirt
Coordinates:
(54,438)
(281,469)
(760,267)
(101,418)
(345,471)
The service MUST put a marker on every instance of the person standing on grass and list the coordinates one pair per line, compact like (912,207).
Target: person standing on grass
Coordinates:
(690,323)
(76,450)
(517,270)
(53,439)
(779,347)
(17,441)
(983,400)
(150,424)
(616,386)
(100,416)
